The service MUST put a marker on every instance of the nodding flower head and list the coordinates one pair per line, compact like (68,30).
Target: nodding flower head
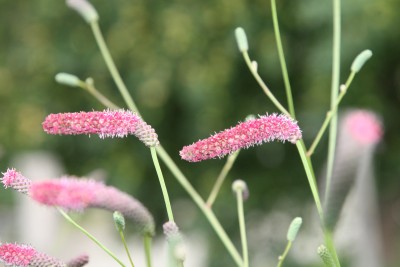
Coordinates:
(24,255)
(252,132)
(107,123)
(78,194)
(364,126)
(12,178)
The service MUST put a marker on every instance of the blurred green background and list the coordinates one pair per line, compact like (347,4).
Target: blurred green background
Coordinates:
(180,62)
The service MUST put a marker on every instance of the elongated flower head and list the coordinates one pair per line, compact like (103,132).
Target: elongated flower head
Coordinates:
(78,194)
(252,132)
(24,255)
(107,123)
(12,178)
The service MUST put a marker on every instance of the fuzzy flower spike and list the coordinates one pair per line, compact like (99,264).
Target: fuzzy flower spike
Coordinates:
(24,255)
(252,132)
(76,194)
(107,123)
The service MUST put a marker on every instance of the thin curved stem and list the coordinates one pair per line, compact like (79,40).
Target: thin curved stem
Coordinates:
(221,178)
(121,234)
(162,183)
(242,226)
(99,96)
(83,230)
(282,59)
(263,85)
(283,256)
(330,115)
(111,66)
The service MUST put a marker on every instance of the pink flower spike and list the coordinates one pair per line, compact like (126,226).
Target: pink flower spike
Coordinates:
(364,126)
(245,134)
(12,178)
(16,255)
(107,123)
(77,194)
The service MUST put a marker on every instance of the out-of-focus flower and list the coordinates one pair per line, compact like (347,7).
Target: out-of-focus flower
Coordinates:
(12,178)
(107,123)
(252,132)
(359,133)
(78,261)
(76,194)
(24,255)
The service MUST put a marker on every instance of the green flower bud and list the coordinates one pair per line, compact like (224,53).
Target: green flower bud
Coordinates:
(360,60)
(294,228)
(68,79)
(241,40)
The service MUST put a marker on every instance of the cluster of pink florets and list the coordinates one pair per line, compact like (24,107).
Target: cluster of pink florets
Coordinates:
(107,123)
(252,132)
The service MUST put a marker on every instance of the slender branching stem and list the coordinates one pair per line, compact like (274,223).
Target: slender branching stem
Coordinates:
(162,183)
(282,59)
(330,115)
(111,66)
(283,256)
(88,86)
(263,85)
(201,204)
(242,227)
(334,91)
(121,234)
(83,230)
(221,178)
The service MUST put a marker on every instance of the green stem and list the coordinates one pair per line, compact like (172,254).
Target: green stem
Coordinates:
(330,115)
(147,248)
(121,234)
(221,178)
(99,96)
(334,91)
(162,183)
(68,218)
(283,256)
(263,85)
(311,177)
(282,59)
(111,66)
(242,226)
(201,204)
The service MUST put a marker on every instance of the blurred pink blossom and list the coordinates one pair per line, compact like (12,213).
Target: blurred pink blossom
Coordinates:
(252,132)
(364,126)
(76,194)
(24,255)
(107,123)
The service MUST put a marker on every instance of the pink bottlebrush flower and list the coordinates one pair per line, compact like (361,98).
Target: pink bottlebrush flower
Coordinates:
(245,134)
(77,194)
(24,255)
(12,178)
(364,126)
(107,123)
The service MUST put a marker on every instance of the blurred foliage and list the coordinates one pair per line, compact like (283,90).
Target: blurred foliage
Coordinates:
(180,61)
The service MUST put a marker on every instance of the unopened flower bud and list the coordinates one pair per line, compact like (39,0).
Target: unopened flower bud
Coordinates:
(85,9)
(294,228)
(254,64)
(68,79)
(360,60)
(119,220)
(241,186)
(326,256)
(241,39)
